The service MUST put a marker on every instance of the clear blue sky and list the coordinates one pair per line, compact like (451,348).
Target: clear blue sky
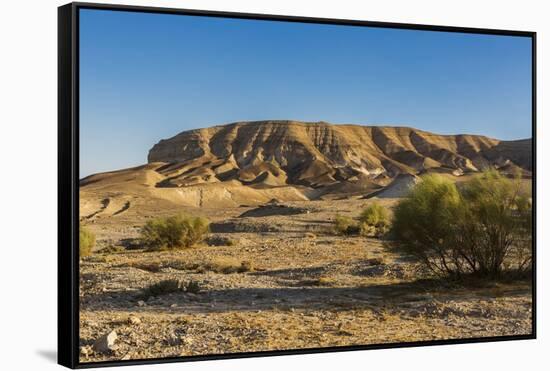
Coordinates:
(145,77)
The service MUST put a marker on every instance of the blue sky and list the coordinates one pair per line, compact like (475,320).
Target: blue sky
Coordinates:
(145,77)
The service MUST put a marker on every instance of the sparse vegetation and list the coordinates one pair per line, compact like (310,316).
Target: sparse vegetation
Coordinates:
(482,228)
(99,258)
(112,249)
(171,286)
(498,225)
(246,266)
(217,240)
(163,288)
(227,265)
(150,266)
(224,265)
(344,225)
(174,232)
(325,281)
(192,287)
(86,242)
(374,221)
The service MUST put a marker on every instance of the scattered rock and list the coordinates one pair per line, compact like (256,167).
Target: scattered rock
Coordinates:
(141,303)
(134,320)
(106,343)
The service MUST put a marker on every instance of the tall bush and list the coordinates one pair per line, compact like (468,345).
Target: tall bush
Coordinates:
(425,223)
(482,228)
(497,225)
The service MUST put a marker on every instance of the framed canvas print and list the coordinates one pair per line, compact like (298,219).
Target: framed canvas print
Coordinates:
(236,185)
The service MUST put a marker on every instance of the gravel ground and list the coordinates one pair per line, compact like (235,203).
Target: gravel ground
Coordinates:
(300,287)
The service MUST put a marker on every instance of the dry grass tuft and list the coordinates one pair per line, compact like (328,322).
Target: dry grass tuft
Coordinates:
(228,265)
(171,286)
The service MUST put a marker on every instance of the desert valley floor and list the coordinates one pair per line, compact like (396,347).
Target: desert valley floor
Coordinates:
(303,288)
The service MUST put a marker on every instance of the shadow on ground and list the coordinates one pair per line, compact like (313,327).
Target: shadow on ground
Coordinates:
(393,296)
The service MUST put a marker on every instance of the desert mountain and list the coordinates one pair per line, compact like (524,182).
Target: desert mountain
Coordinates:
(321,154)
(255,162)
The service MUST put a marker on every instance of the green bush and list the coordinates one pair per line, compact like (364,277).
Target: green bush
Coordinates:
(86,242)
(479,228)
(497,225)
(374,221)
(344,225)
(174,232)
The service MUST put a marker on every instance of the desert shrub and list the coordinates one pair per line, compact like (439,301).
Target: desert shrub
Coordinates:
(99,259)
(149,266)
(171,286)
(246,266)
(424,223)
(475,229)
(163,288)
(86,242)
(217,240)
(227,265)
(112,249)
(220,264)
(344,225)
(174,232)
(374,221)
(497,225)
(192,287)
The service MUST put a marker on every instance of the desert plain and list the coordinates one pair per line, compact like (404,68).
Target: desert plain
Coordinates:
(271,274)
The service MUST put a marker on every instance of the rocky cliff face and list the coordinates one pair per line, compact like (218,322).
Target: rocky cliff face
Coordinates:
(319,154)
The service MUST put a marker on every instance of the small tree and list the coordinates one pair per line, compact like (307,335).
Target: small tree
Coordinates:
(86,242)
(497,224)
(174,232)
(480,229)
(374,220)
(424,223)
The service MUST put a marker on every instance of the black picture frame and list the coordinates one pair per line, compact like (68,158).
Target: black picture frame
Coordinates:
(68,180)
